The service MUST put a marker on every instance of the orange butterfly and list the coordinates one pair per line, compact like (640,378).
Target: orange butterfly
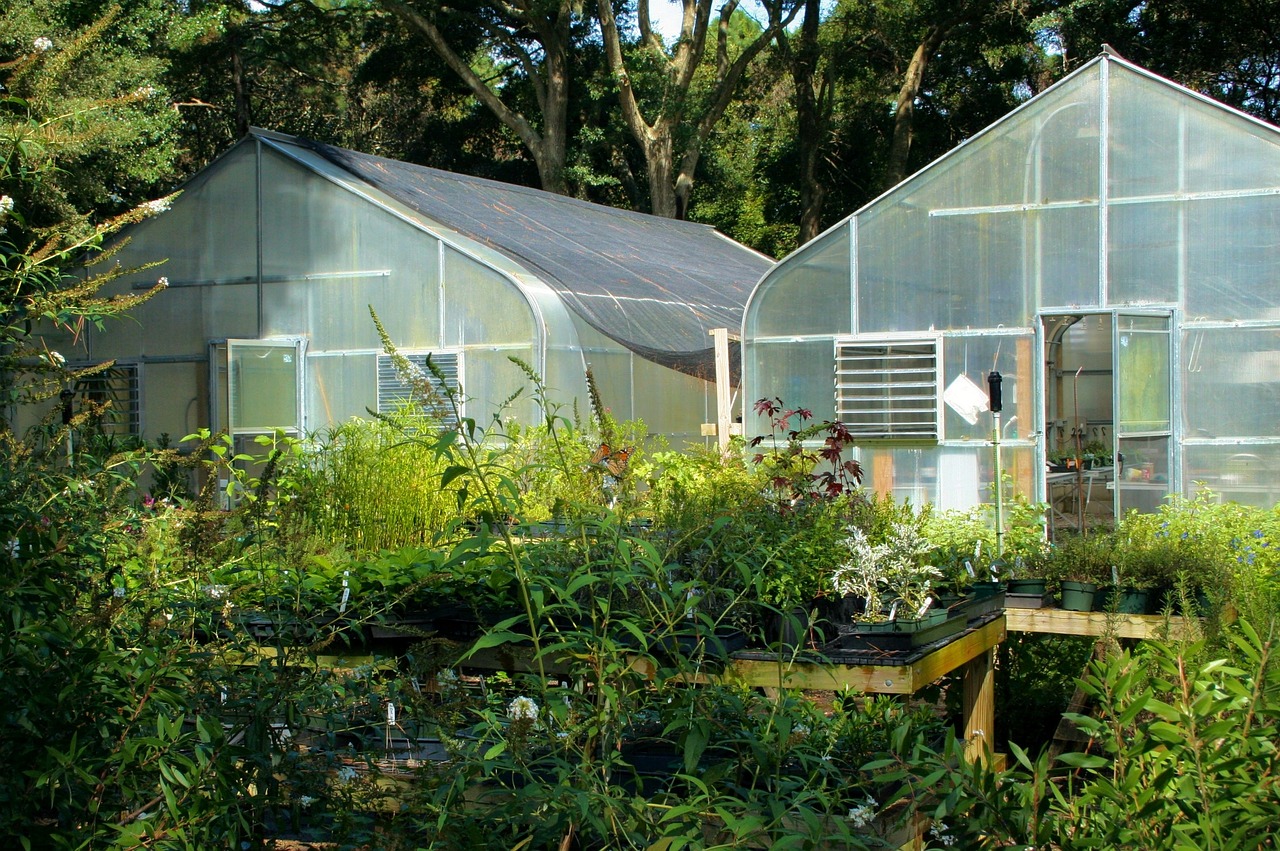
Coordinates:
(613,461)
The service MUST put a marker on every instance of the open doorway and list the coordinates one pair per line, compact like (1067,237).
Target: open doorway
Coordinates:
(1080,434)
(1108,415)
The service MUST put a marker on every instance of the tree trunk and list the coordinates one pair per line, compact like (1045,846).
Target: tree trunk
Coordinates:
(670,191)
(550,79)
(240,93)
(813,117)
(904,117)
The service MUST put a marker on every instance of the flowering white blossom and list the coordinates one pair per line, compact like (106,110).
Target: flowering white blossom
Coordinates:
(863,814)
(346,774)
(118,592)
(939,832)
(42,44)
(306,801)
(144,91)
(6,205)
(54,358)
(158,206)
(164,282)
(523,709)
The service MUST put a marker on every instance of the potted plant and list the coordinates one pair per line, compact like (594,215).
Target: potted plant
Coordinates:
(1026,587)
(1078,564)
(897,584)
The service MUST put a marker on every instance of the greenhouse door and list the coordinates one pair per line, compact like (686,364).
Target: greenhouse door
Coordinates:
(1079,392)
(1142,351)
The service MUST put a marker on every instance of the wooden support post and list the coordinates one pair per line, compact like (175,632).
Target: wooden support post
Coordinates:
(724,387)
(979,707)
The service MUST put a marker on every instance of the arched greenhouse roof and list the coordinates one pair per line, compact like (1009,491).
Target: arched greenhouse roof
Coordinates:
(654,285)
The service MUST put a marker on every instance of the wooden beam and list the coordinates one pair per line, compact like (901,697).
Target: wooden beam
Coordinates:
(873,679)
(1063,622)
(979,706)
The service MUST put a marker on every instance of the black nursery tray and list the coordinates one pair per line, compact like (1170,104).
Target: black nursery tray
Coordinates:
(845,650)
(1027,601)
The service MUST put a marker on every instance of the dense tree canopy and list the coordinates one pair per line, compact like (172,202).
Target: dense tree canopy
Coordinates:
(770,119)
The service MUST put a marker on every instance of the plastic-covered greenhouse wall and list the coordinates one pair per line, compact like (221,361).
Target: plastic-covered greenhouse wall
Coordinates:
(276,252)
(1110,248)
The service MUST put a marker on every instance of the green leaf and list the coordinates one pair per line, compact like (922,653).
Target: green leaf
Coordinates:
(1083,760)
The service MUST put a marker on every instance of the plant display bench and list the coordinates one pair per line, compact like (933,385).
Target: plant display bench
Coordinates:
(1063,622)
(971,651)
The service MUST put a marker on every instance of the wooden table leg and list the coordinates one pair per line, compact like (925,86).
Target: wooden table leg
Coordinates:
(979,708)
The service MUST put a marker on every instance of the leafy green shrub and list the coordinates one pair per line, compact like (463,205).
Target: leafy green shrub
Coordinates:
(1187,760)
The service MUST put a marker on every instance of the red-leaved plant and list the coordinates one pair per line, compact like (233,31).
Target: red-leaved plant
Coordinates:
(799,472)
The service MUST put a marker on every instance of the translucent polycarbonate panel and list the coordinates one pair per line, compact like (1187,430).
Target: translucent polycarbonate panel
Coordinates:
(1231,382)
(210,232)
(671,403)
(1144,253)
(335,312)
(1062,259)
(340,387)
(171,323)
(809,294)
(974,357)
(1143,374)
(490,379)
(1229,152)
(978,264)
(330,254)
(801,375)
(1247,474)
(951,478)
(263,382)
(313,222)
(1164,141)
(1147,141)
(897,289)
(482,306)
(230,310)
(175,399)
(611,370)
(1045,153)
(1233,258)
(565,375)
(996,229)
(1142,474)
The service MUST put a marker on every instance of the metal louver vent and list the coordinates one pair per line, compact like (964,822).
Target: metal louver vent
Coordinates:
(394,393)
(888,390)
(115,396)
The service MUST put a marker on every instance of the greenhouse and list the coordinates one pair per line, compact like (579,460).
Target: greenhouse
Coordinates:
(1110,249)
(276,252)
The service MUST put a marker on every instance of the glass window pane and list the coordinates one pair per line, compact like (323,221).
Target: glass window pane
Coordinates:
(1142,472)
(264,387)
(1142,357)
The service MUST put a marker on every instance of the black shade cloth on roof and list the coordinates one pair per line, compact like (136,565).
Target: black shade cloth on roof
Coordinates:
(656,286)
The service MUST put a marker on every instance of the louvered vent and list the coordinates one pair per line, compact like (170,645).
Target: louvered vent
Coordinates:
(888,390)
(394,393)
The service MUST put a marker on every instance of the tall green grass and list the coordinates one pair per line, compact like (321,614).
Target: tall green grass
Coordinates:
(370,489)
